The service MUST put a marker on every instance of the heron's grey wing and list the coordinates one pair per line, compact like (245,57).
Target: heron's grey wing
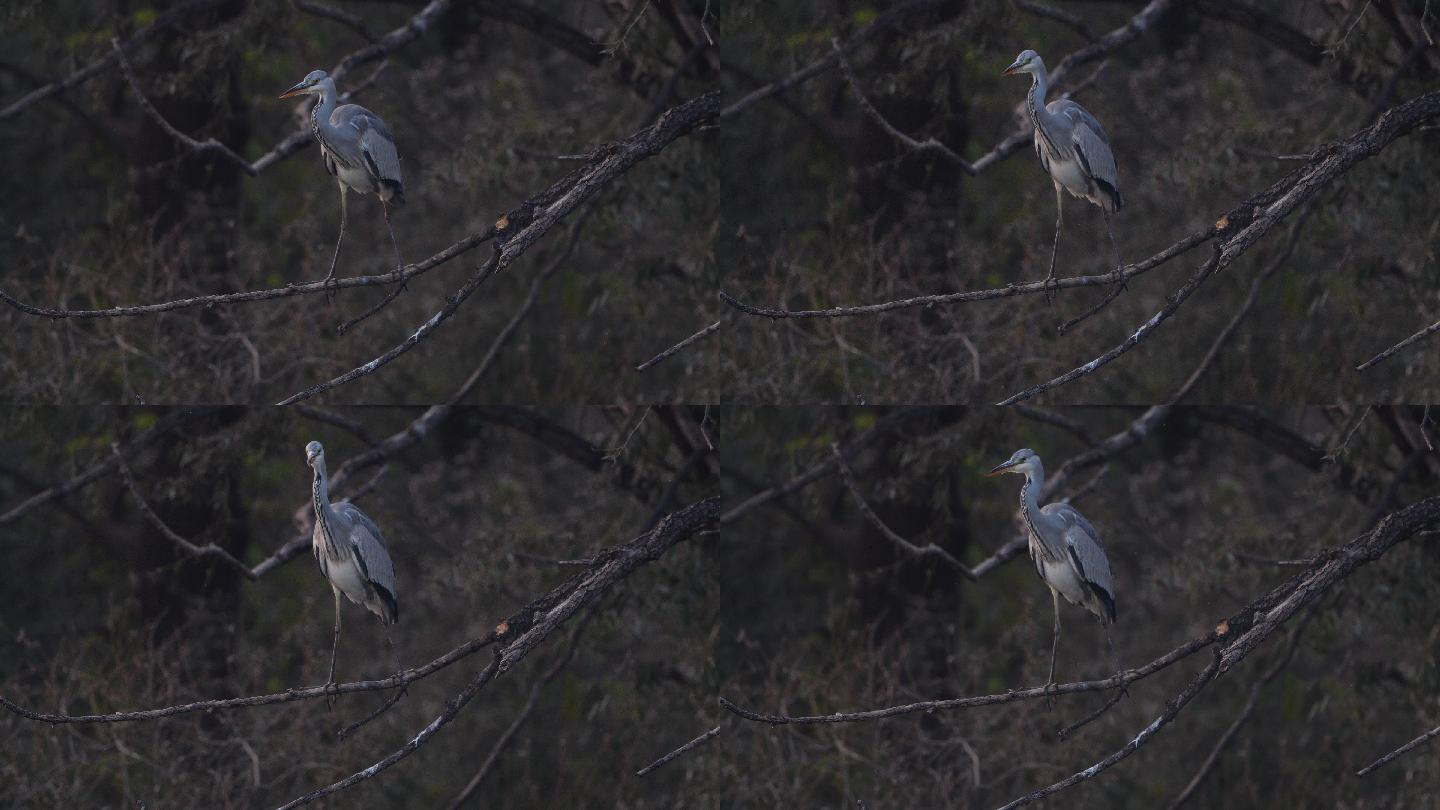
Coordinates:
(1087,553)
(369,546)
(1092,146)
(377,145)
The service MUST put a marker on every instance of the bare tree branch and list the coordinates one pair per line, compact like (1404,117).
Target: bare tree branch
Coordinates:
(819,66)
(695,743)
(1415,743)
(354,22)
(520,717)
(1423,333)
(709,330)
(1006,552)
(1074,21)
(208,550)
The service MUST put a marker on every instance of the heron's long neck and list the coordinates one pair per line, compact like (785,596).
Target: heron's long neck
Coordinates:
(1035,105)
(320,493)
(1029,503)
(320,113)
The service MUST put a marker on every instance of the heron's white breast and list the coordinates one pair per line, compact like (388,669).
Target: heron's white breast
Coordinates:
(1069,174)
(1062,577)
(345,575)
(356,178)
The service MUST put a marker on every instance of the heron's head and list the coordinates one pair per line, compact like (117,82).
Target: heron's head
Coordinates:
(1027,62)
(1025,460)
(313,452)
(308,85)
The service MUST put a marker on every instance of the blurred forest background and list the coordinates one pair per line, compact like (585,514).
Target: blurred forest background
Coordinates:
(101,612)
(104,208)
(834,618)
(825,208)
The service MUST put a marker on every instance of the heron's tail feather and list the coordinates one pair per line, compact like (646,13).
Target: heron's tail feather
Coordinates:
(1116,202)
(391,608)
(393,192)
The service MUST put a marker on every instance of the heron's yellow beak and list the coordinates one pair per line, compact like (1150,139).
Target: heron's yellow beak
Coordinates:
(294,91)
(1000,469)
(1012,70)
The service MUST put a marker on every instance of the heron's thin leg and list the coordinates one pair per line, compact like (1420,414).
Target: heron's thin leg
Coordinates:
(1054,646)
(339,239)
(1114,658)
(396,245)
(334,647)
(394,658)
(1055,248)
(1119,274)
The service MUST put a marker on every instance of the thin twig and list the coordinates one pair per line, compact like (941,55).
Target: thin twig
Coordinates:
(1415,743)
(208,550)
(1422,334)
(709,330)
(534,699)
(698,741)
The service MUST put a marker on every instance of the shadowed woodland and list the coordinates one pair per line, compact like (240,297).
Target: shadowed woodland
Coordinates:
(675,416)
(934,190)
(497,110)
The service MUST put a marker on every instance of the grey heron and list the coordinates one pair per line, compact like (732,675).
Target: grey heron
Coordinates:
(1067,551)
(351,554)
(1073,149)
(358,150)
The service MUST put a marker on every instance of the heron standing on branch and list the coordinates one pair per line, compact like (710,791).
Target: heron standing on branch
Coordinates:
(351,554)
(358,150)
(1066,549)
(1074,150)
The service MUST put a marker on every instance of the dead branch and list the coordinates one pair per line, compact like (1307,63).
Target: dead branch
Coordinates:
(1006,553)
(1049,12)
(819,66)
(1415,743)
(709,330)
(698,741)
(1251,701)
(1422,334)
(354,22)
(208,550)
(520,717)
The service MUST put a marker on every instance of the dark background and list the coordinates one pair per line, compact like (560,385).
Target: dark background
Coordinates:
(103,208)
(826,209)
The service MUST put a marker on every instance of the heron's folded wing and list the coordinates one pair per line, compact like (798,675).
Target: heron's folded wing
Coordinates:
(369,544)
(381,157)
(1087,550)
